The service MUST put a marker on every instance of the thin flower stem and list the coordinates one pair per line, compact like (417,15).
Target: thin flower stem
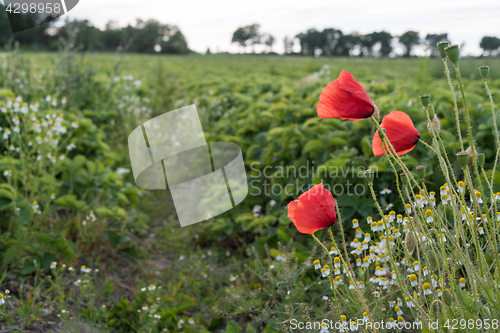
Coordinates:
(454,98)
(492,112)
(331,272)
(469,130)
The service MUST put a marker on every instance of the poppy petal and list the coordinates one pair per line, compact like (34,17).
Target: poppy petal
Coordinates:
(345,98)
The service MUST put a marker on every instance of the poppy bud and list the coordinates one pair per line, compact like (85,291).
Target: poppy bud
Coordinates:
(431,111)
(453,53)
(437,125)
(433,259)
(484,71)
(463,159)
(376,113)
(469,152)
(447,297)
(421,171)
(410,241)
(480,159)
(369,175)
(425,99)
(441,46)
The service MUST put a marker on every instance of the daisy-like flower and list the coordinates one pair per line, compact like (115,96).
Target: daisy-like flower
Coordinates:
(419,201)
(478,197)
(6,134)
(480,230)
(355,243)
(408,208)
(398,310)
(323,328)
(364,245)
(54,102)
(7,173)
(355,223)
(151,287)
(53,265)
(367,237)
(191,321)
(358,262)
(374,226)
(409,302)
(462,282)
(333,251)
(380,225)
(85,269)
(232,278)
(317,264)
(442,237)
(401,321)
(413,280)
(369,220)
(427,288)
(52,196)
(358,233)
(461,186)
(396,233)
(429,216)
(385,191)
(392,216)
(325,271)
(353,326)
(64,101)
(71,146)
(2,301)
(399,302)
(75,124)
(439,292)
(399,218)
(336,262)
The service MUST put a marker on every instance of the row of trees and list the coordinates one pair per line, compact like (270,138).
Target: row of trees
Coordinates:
(148,36)
(333,42)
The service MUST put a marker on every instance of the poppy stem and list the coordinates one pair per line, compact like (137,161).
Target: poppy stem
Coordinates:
(454,98)
(497,138)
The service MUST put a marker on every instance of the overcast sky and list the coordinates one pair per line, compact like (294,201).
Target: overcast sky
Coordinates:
(211,23)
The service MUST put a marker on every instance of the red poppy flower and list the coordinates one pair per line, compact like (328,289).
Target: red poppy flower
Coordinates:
(400,132)
(315,210)
(345,98)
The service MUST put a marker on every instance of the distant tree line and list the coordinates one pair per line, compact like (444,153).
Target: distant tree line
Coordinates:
(333,42)
(148,36)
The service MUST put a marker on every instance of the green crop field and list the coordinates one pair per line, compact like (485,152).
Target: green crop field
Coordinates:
(83,249)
